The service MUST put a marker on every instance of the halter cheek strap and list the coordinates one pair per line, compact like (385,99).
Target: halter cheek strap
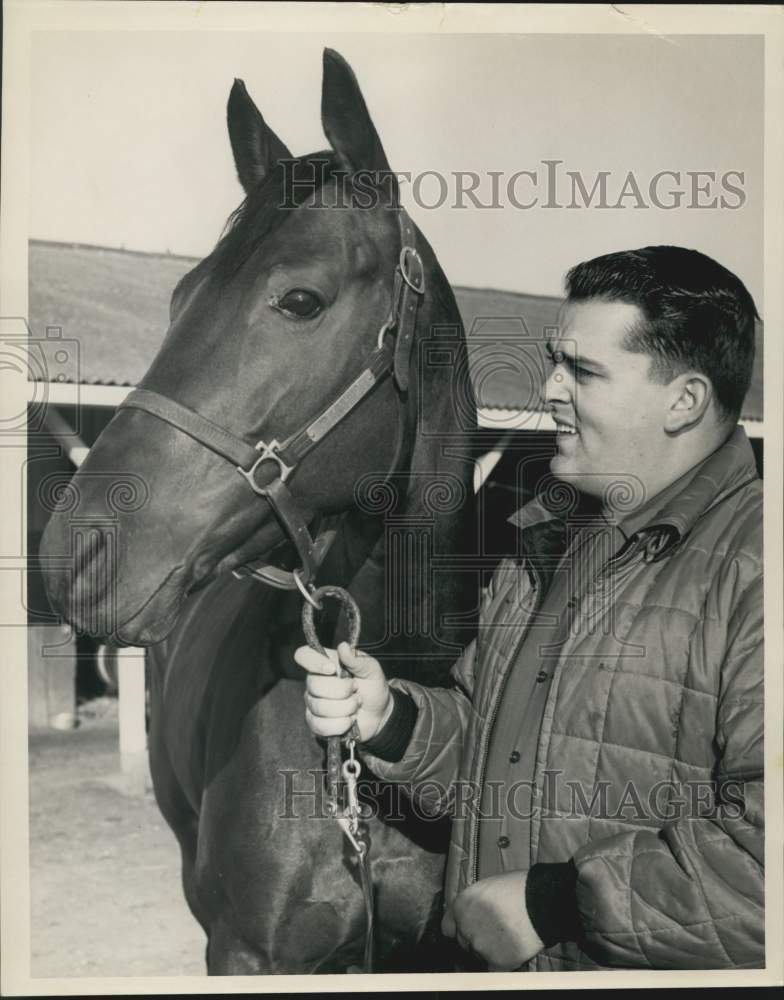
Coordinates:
(408,289)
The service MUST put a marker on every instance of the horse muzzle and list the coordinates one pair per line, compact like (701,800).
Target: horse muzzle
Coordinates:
(84,581)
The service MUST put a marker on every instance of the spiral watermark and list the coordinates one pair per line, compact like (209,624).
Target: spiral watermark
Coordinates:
(58,494)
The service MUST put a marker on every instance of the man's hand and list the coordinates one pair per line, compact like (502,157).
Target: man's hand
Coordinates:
(490,919)
(334,703)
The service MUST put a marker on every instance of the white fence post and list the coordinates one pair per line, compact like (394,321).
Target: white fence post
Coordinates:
(132,715)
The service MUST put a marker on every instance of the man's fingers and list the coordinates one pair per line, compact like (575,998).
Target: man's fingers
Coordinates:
(314,662)
(358,663)
(450,929)
(331,687)
(327,727)
(465,944)
(448,925)
(327,708)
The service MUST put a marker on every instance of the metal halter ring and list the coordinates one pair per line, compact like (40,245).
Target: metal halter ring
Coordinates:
(304,591)
(269,453)
(388,324)
(353,616)
(415,279)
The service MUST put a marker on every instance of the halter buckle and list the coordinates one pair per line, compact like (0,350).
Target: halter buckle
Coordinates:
(269,453)
(412,269)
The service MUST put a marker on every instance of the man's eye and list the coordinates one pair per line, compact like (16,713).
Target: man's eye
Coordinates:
(556,357)
(300,303)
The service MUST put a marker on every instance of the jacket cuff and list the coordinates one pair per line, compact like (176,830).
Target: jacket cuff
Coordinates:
(391,742)
(551,901)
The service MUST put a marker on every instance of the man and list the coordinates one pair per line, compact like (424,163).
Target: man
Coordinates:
(600,749)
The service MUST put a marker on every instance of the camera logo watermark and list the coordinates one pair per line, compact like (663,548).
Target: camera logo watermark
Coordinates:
(39,361)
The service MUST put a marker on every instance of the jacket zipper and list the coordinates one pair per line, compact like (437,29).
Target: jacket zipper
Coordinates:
(473,829)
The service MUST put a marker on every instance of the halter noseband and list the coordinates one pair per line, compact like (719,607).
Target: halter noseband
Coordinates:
(395,357)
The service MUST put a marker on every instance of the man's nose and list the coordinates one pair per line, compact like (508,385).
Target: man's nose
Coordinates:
(556,389)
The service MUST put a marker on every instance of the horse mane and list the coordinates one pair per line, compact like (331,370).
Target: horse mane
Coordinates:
(265,208)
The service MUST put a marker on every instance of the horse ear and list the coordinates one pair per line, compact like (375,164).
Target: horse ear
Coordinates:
(346,120)
(255,146)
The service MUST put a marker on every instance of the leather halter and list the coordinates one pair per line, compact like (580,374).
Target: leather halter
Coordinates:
(392,355)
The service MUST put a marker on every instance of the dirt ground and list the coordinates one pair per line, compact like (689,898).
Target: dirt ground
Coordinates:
(104,867)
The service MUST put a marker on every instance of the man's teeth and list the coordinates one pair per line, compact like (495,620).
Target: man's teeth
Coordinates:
(563,429)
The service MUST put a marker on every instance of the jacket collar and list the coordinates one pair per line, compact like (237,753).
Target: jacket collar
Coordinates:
(730,466)
(723,471)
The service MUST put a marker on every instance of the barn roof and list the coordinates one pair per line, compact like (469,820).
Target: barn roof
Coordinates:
(115,304)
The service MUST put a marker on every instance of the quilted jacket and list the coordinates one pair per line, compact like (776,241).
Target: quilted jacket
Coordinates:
(649,763)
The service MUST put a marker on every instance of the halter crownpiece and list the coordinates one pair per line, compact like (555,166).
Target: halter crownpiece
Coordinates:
(408,289)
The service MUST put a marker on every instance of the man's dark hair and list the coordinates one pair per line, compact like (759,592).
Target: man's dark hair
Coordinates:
(698,315)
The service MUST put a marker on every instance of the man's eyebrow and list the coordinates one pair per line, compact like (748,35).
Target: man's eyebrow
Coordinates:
(573,360)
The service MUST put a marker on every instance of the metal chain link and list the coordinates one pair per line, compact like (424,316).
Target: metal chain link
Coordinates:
(349,770)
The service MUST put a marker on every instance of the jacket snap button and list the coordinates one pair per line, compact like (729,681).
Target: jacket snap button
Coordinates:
(541,676)
(514,756)
(503,841)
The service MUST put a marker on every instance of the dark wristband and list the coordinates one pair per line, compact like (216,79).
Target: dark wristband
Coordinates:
(391,742)
(551,901)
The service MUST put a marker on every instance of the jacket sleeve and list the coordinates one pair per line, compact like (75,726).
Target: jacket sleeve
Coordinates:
(431,763)
(692,895)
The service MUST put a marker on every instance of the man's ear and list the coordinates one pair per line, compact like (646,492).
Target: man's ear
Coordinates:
(691,396)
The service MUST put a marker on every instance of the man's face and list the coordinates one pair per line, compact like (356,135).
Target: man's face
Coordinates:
(609,412)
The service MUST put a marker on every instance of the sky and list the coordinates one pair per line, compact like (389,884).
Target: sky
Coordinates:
(129,144)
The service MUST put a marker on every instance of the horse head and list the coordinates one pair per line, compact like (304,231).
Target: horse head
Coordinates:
(300,299)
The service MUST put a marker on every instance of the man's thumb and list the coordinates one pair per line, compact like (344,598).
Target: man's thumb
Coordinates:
(359,664)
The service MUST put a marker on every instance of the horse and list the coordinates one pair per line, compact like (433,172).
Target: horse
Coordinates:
(313,381)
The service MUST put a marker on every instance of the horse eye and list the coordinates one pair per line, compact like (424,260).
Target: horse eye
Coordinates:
(301,303)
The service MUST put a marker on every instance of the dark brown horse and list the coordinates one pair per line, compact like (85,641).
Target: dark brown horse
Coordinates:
(265,333)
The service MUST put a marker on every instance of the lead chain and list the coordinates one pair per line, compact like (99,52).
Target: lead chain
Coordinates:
(351,772)
(337,769)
